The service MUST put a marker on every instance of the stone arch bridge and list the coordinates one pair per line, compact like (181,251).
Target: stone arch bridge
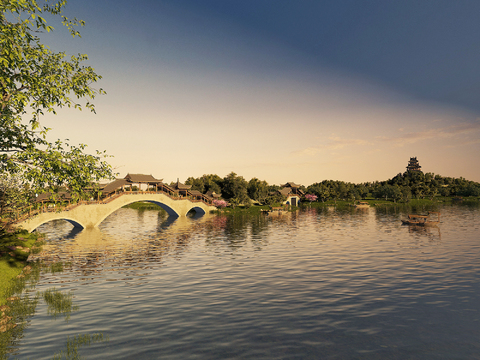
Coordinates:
(91,214)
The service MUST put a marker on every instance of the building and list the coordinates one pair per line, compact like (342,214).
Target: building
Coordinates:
(127,183)
(180,189)
(293,193)
(413,165)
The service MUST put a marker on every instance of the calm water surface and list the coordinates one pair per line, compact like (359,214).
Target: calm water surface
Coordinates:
(324,284)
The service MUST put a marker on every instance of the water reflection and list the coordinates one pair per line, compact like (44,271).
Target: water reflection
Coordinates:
(72,346)
(338,283)
(59,303)
(433,233)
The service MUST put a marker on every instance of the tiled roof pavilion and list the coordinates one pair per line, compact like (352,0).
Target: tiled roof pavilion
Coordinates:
(142,179)
(129,180)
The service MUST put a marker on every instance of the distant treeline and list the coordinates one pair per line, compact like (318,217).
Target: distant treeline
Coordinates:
(236,189)
(402,187)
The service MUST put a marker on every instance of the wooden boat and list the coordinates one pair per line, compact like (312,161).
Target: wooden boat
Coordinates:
(423,220)
(362,204)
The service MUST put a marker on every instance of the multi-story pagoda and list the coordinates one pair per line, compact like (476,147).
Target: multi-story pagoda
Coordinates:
(413,165)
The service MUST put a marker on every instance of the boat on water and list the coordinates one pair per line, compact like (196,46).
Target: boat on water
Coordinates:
(423,220)
(362,205)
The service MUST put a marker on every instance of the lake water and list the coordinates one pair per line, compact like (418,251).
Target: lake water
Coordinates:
(317,284)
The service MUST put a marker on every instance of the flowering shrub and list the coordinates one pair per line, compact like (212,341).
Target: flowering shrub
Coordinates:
(220,203)
(311,197)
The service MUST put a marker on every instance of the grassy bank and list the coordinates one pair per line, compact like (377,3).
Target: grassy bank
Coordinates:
(252,210)
(144,205)
(14,250)
(413,203)
(383,202)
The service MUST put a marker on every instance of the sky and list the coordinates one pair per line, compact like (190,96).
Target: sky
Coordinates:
(300,91)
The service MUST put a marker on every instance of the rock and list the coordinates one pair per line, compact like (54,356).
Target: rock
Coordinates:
(4,320)
(6,327)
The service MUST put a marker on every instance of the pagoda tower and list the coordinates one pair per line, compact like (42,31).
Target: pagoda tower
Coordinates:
(413,165)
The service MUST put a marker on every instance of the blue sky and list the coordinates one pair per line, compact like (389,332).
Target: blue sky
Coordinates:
(284,91)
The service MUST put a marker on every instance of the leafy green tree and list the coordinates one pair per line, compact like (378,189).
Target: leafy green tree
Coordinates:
(353,194)
(206,183)
(197,184)
(235,189)
(14,198)
(275,198)
(257,190)
(418,190)
(469,189)
(444,190)
(35,80)
(362,190)
(387,191)
(406,193)
(342,189)
(213,182)
(324,193)
(396,193)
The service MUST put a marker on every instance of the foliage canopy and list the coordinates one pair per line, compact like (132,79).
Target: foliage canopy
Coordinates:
(34,80)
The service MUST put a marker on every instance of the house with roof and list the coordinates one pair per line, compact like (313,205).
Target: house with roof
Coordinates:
(181,189)
(129,181)
(140,179)
(293,193)
(212,195)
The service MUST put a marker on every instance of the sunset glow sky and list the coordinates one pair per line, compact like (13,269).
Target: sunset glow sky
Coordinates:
(283,91)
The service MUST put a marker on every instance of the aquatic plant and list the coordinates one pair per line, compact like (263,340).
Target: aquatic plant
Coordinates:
(59,303)
(73,345)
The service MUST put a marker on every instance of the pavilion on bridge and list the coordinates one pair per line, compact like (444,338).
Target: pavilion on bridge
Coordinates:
(182,189)
(131,180)
(131,183)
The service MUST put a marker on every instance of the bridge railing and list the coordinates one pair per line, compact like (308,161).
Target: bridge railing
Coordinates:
(29,212)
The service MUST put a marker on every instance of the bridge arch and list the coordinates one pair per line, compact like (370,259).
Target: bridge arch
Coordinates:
(168,209)
(198,211)
(74,222)
(91,215)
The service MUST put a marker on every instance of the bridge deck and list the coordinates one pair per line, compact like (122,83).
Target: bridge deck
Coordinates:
(92,213)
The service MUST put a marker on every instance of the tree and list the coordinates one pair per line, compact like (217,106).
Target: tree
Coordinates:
(213,182)
(206,183)
(257,190)
(35,80)
(275,198)
(385,191)
(235,189)
(197,184)
(406,194)
(396,193)
(220,204)
(14,197)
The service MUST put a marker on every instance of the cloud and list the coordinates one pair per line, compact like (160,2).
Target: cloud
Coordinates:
(334,143)
(440,133)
